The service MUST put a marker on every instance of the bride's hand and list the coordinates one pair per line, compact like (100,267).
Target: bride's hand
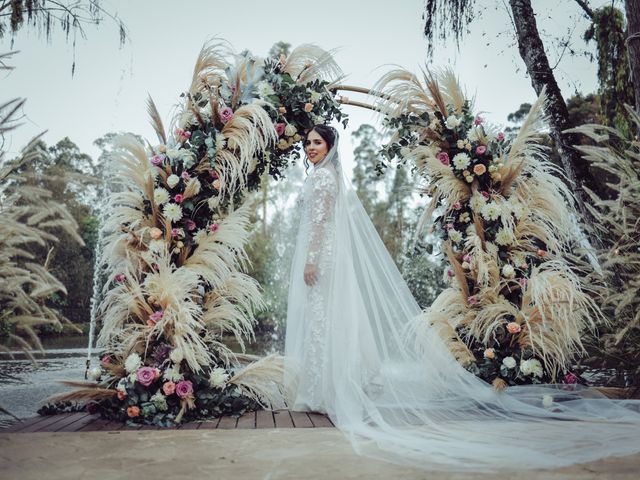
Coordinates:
(310,274)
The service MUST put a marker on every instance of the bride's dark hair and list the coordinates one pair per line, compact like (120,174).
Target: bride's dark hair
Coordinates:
(327,133)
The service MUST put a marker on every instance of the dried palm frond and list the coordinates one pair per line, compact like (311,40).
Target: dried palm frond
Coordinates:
(156,120)
(210,66)
(309,62)
(262,381)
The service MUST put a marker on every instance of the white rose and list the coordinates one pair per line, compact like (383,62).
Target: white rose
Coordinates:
(509,362)
(290,130)
(531,367)
(508,271)
(95,373)
(173,180)
(132,363)
(453,121)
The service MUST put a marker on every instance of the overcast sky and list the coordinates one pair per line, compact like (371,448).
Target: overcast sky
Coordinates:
(111,84)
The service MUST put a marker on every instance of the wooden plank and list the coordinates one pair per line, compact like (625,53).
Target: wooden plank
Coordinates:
(66,425)
(16,427)
(45,425)
(282,419)
(149,427)
(264,419)
(248,420)
(209,425)
(301,420)
(319,420)
(190,425)
(227,422)
(112,426)
(94,426)
(83,422)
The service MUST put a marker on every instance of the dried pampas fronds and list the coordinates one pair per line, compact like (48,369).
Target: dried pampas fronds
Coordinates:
(262,381)
(309,62)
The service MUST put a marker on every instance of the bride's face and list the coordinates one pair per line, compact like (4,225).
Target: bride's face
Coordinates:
(315,147)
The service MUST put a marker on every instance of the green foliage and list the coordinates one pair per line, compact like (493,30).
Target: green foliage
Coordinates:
(616,87)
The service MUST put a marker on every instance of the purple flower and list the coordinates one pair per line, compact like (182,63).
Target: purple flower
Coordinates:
(444,158)
(185,175)
(184,388)
(146,375)
(450,274)
(478,120)
(190,224)
(226,114)
(570,378)
(158,160)
(279,128)
(457,206)
(213,227)
(480,150)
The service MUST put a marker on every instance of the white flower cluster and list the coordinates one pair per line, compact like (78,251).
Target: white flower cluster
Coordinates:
(173,374)
(505,237)
(160,195)
(173,212)
(509,362)
(453,122)
(461,161)
(218,377)
(531,367)
(132,363)
(160,401)
(455,235)
(173,180)
(491,211)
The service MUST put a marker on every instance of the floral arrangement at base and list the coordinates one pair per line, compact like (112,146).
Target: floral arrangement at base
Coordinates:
(516,308)
(174,238)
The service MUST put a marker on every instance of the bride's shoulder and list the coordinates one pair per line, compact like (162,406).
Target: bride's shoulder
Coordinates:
(324,178)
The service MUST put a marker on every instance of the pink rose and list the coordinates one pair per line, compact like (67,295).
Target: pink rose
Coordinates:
(213,227)
(179,198)
(570,378)
(158,160)
(457,206)
(184,388)
(500,137)
(444,158)
(168,388)
(183,133)
(155,317)
(513,327)
(480,150)
(106,360)
(486,195)
(175,232)
(279,128)
(226,114)
(120,277)
(478,120)
(185,175)
(450,274)
(146,375)
(466,258)
(191,225)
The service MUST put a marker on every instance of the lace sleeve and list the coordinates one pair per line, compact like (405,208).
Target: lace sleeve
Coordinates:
(323,198)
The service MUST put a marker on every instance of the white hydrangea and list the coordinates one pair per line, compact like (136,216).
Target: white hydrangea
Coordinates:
(531,367)
(505,237)
(509,362)
(508,271)
(173,180)
(315,96)
(290,130)
(265,89)
(455,235)
(461,161)
(160,401)
(173,212)
(200,235)
(453,121)
(132,363)
(173,153)
(218,377)
(176,356)
(173,374)
(160,195)
(490,211)
(213,202)
(477,202)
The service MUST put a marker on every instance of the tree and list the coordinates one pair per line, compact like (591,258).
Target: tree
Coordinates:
(71,16)
(632,8)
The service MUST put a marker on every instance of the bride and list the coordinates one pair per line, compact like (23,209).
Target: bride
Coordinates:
(356,350)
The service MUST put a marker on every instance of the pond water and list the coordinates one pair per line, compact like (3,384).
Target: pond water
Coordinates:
(24,385)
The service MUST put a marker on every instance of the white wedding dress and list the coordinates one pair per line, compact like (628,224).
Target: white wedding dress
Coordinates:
(356,350)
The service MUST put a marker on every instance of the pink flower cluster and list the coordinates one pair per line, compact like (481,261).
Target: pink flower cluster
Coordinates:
(147,375)
(226,114)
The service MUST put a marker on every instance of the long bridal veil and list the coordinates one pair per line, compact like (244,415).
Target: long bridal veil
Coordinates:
(393,387)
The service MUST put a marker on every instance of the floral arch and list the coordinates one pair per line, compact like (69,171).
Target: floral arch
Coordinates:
(173,239)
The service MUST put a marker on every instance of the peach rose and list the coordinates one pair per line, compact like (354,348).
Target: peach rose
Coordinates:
(155,233)
(168,388)
(490,353)
(308,107)
(122,394)
(513,327)
(479,169)
(133,411)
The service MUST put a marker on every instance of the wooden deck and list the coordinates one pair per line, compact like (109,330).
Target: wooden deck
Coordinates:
(84,422)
